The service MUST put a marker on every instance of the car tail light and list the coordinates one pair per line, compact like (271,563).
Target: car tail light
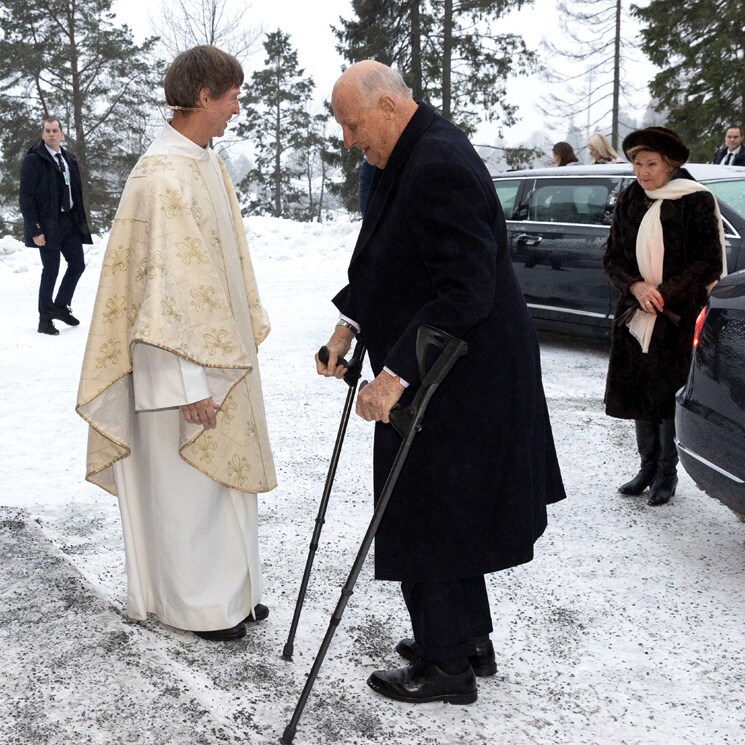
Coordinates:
(699,325)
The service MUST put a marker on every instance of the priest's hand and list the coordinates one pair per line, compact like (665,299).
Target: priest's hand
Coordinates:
(202,412)
(375,400)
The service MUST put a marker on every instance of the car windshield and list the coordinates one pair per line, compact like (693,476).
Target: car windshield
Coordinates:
(732,193)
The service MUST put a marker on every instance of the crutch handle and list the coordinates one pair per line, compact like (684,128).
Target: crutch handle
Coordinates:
(323,356)
(354,366)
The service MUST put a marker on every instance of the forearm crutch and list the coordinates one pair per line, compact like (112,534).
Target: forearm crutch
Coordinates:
(352,376)
(407,422)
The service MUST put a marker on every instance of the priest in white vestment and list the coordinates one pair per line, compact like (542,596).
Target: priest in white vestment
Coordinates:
(170,383)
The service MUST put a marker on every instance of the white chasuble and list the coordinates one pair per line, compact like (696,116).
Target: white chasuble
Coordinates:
(178,318)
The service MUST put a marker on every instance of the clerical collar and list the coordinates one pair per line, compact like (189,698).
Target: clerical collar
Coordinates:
(170,141)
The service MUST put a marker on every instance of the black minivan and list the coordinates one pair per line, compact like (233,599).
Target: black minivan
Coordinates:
(558,220)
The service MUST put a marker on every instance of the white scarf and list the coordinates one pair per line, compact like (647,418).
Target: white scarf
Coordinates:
(650,249)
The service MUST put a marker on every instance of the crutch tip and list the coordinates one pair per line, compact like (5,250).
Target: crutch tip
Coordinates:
(288,736)
(287,652)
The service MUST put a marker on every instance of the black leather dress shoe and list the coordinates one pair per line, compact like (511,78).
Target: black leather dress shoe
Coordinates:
(47,327)
(260,613)
(483,663)
(224,635)
(64,313)
(422,682)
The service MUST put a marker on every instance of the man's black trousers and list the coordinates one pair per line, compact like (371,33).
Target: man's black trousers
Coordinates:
(447,616)
(71,247)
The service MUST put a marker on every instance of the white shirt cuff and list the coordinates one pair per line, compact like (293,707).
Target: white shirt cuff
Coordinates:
(400,379)
(349,320)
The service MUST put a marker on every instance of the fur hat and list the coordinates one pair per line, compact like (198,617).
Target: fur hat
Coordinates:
(659,140)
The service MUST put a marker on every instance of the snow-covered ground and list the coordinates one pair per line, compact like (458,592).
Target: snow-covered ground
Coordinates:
(626,628)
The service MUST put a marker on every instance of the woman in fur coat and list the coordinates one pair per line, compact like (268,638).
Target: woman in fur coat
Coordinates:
(665,250)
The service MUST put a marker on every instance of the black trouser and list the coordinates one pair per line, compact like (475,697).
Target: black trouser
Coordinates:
(447,616)
(71,247)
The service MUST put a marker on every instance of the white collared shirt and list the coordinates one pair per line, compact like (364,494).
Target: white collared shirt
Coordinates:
(65,168)
(730,155)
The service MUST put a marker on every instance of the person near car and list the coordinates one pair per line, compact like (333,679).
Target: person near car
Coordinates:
(471,498)
(664,252)
(733,152)
(54,221)
(600,149)
(563,154)
(170,383)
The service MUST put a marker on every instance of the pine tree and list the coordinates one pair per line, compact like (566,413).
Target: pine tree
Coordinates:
(448,52)
(389,31)
(592,85)
(347,163)
(700,47)
(277,123)
(315,159)
(67,58)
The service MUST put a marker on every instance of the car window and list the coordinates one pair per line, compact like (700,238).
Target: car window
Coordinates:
(507,192)
(570,201)
(732,193)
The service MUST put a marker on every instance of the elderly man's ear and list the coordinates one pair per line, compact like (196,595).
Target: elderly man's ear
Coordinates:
(388,106)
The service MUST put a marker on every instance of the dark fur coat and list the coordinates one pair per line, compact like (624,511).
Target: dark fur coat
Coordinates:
(643,386)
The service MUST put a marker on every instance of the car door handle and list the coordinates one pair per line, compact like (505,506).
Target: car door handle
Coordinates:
(529,240)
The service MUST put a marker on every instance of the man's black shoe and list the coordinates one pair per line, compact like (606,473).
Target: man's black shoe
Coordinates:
(47,327)
(224,635)
(64,313)
(483,663)
(260,613)
(422,682)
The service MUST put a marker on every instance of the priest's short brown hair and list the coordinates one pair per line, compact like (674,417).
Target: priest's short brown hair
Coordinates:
(197,68)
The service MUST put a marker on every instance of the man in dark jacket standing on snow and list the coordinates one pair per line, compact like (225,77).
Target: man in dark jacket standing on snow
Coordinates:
(54,220)
(471,498)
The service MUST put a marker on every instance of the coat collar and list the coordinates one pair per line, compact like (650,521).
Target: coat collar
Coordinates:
(385,178)
(41,149)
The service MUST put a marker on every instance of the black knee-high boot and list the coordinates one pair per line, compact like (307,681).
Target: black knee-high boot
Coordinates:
(663,486)
(647,441)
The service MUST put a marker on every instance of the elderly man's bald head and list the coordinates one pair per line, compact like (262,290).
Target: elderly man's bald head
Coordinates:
(372,79)
(373,105)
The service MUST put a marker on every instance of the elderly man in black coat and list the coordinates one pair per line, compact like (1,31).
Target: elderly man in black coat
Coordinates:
(472,496)
(54,220)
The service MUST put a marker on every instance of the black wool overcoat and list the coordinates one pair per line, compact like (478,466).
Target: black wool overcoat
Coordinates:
(40,196)
(433,250)
(643,386)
